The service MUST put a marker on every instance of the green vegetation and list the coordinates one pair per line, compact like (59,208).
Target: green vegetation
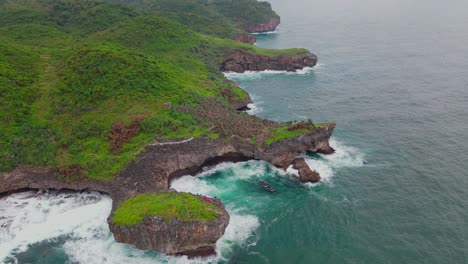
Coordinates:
(71,70)
(244,12)
(184,206)
(287,131)
(212,17)
(282,132)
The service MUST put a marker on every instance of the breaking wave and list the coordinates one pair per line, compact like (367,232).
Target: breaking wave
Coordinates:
(327,165)
(255,75)
(265,33)
(78,222)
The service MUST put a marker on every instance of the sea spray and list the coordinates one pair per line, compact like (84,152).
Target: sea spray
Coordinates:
(254,108)
(266,33)
(255,75)
(326,165)
(33,217)
(79,220)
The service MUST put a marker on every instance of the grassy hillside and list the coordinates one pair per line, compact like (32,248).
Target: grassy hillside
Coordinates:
(214,17)
(86,84)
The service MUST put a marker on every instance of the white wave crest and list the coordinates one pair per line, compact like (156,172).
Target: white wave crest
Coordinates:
(255,75)
(343,157)
(29,218)
(33,217)
(241,226)
(265,33)
(254,109)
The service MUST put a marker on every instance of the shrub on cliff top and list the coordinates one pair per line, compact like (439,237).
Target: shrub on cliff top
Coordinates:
(184,206)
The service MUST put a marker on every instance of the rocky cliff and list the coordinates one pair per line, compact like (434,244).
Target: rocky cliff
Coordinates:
(154,169)
(159,163)
(245,38)
(242,62)
(71,131)
(192,238)
(267,26)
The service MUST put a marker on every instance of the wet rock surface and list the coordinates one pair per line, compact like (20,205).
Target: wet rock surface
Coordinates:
(306,174)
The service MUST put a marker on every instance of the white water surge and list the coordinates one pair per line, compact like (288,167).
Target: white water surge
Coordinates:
(326,165)
(266,33)
(79,220)
(255,75)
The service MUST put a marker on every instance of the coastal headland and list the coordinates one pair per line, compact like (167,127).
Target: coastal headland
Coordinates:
(135,99)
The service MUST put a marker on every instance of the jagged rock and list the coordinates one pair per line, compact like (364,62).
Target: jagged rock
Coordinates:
(241,62)
(267,26)
(233,101)
(306,174)
(193,238)
(283,160)
(249,39)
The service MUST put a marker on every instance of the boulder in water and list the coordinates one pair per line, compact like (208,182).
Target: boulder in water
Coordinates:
(306,174)
(172,223)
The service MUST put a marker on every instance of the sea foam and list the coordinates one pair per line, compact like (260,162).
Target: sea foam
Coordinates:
(81,218)
(326,165)
(255,75)
(266,33)
(34,217)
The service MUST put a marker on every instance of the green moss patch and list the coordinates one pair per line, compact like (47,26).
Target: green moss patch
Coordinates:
(184,206)
(288,131)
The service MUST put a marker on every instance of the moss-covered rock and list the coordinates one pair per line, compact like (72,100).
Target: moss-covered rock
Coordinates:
(165,205)
(170,222)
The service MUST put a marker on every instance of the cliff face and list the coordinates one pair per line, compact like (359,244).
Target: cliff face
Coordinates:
(241,62)
(29,177)
(193,238)
(156,167)
(249,39)
(267,26)
(166,161)
(159,163)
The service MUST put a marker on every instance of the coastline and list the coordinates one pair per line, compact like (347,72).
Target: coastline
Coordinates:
(160,163)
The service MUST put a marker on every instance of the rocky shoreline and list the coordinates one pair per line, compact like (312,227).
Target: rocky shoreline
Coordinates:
(267,26)
(241,62)
(158,164)
(192,238)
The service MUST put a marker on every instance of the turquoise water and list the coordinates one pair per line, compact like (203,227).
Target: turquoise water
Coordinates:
(393,75)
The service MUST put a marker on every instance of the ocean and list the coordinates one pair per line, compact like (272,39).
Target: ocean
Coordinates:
(393,74)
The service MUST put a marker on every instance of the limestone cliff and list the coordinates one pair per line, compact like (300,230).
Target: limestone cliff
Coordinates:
(193,238)
(266,26)
(246,38)
(242,62)
(154,169)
